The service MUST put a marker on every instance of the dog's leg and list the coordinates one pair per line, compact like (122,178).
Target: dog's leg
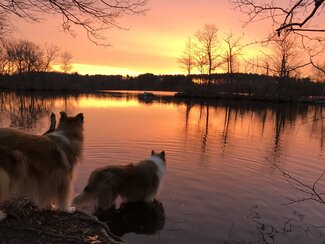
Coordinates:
(4,185)
(83,199)
(64,201)
(3,215)
(46,202)
(106,199)
(150,198)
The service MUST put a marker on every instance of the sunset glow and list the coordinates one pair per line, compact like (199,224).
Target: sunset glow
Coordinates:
(92,102)
(152,42)
(91,69)
(151,45)
(164,121)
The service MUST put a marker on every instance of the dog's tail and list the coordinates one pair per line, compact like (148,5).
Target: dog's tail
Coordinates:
(83,198)
(4,190)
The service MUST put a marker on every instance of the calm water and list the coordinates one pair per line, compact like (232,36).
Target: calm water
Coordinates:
(224,182)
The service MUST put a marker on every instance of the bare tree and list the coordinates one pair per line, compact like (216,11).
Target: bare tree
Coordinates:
(66,65)
(3,61)
(319,72)
(186,61)
(234,49)
(208,45)
(33,56)
(94,16)
(51,54)
(200,60)
(24,56)
(286,57)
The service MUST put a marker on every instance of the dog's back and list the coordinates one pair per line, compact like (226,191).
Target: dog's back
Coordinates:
(135,182)
(39,152)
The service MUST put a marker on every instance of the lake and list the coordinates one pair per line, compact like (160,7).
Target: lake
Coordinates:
(237,171)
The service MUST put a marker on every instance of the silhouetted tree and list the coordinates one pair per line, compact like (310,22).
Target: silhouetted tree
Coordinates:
(319,72)
(51,53)
(286,57)
(3,61)
(207,44)
(186,61)
(94,16)
(200,59)
(66,65)
(24,56)
(234,49)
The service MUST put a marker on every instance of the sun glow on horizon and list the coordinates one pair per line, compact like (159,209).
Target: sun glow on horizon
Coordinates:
(96,102)
(93,69)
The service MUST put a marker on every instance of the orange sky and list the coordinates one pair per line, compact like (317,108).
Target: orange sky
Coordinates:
(153,42)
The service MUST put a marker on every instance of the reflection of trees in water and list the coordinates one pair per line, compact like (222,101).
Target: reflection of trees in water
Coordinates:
(226,127)
(206,131)
(202,116)
(267,226)
(139,217)
(283,117)
(284,229)
(318,125)
(24,110)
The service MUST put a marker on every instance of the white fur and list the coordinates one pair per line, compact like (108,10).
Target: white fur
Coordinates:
(71,210)
(2,215)
(62,136)
(160,165)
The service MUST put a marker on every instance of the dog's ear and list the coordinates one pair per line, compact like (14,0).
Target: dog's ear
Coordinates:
(162,154)
(80,117)
(152,152)
(63,115)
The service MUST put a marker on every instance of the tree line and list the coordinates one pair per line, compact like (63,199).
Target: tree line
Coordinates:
(58,81)
(250,86)
(23,56)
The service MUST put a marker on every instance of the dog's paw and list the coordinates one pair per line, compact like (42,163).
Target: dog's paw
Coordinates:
(71,209)
(2,215)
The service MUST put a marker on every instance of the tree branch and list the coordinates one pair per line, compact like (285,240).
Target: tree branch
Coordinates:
(94,16)
(292,17)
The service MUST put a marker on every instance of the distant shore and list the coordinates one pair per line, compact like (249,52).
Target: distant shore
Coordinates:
(252,97)
(239,86)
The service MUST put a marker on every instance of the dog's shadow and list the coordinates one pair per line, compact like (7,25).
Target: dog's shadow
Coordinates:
(139,217)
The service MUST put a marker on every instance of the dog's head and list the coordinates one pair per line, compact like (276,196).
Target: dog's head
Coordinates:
(73,124)
(160,155)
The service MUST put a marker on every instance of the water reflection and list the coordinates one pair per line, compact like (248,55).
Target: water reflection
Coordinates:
(229,115)
(219,153)
(140,218)
(24,110)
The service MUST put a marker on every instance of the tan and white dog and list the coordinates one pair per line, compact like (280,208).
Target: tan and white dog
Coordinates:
(41,166)
(133,183)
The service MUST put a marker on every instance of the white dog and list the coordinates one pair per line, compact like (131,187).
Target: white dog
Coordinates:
(133,182)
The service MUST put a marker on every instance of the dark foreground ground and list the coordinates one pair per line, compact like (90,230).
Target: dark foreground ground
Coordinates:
(28,224)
